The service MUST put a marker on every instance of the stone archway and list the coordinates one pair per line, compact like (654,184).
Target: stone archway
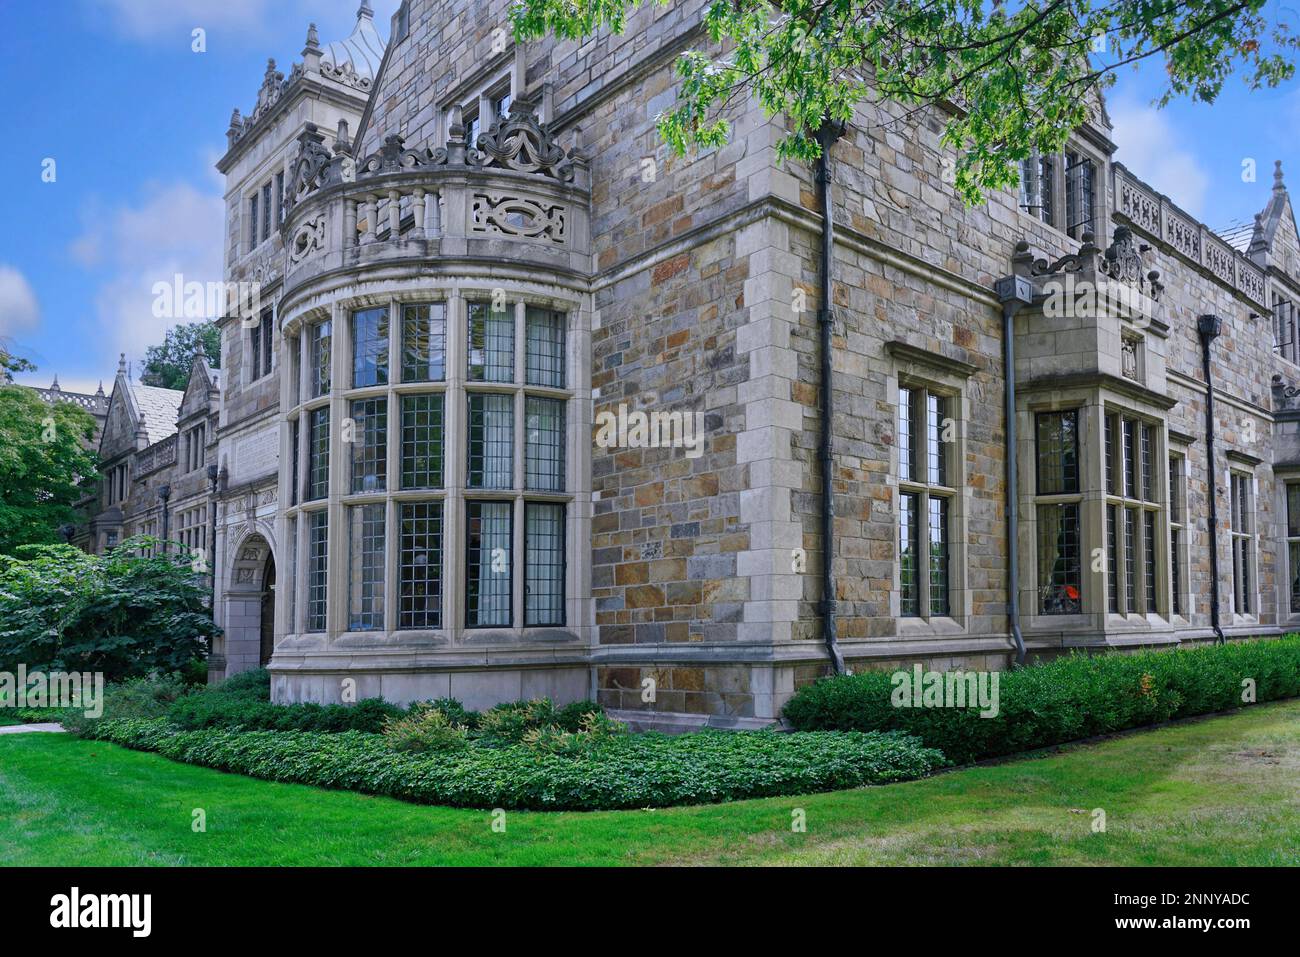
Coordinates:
(250,630)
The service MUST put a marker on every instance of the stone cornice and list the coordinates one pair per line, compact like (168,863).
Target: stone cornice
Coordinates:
(1182,438)
(1102,380)
(935,360)
(1243,458)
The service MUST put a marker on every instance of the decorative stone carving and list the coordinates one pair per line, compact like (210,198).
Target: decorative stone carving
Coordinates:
(1124,262)
(517,216)
(1130,348)
(1184,236)
(307,239)
(1141,208)
(520,142)
(309,168)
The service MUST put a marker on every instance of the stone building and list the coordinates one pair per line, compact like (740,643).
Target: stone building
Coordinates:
(535,407)
(153,454)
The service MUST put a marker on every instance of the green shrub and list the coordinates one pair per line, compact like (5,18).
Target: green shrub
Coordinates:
(454,711)
(627,771)
(136,698)
(215,709)
(426,728)
(1063,700)
(124,613)
(254,684)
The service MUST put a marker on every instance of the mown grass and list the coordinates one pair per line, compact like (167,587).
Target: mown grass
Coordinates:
(1218,791)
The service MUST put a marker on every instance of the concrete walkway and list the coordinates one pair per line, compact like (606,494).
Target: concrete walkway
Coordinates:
(25,728)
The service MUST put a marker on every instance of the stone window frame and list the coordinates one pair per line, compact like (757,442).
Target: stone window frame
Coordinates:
(921,369)
(453,495)
(195,447)
(477,96)
(1050,499)
(1178,522)
(259,347)
(1030,203)
(1150,497)
(1241,477)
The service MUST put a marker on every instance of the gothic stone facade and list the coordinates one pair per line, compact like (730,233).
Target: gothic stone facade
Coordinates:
(497,251)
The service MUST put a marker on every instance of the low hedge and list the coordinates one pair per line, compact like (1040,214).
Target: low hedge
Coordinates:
(211,709)
(1063,700)
(633,771)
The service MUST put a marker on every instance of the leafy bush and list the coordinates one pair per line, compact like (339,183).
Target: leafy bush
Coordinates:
(136,698)
(627,771)
(426,729)
(215,709)
(1063,700)
(254,684)
(123,614)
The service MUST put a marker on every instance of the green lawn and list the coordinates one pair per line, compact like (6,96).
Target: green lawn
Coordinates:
(1220,791)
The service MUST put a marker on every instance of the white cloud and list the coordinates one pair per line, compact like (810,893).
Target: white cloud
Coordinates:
(1152,148)
(19,311)
(156,19)
(175,230)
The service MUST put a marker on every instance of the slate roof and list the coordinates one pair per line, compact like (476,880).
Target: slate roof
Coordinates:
(158,408)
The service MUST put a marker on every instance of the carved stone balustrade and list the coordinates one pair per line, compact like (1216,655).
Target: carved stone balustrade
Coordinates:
(514,198)
(1153,215)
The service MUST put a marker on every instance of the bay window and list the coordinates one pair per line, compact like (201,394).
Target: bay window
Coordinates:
(470,529)
(1133,585)
(1057,510)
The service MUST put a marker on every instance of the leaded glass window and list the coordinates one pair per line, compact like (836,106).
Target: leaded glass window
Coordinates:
(422,441)
(544,335)
(420,565)
(543,564)
(366,567)
(317,569)
(370,347)
(369,443)
(491,441)
(318,454)
(489,534)
(424,342)
(544,452)
(491,343)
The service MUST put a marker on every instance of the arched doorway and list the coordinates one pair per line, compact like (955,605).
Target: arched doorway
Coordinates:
(268,610)
(250,606)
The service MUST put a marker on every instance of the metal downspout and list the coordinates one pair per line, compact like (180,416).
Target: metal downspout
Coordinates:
(827,136)
(1209,328)
(1009,310)
(1013,292)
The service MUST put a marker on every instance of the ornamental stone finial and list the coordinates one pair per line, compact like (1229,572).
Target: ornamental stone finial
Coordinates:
(1277,176)
(121,363)
(313,37)
(366,10)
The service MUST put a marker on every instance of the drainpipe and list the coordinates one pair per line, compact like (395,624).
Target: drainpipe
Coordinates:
(827,136)
(1209,328)
(1013,292)
(164,494)
(213,476)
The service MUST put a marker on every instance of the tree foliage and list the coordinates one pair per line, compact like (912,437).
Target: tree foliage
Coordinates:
(43,458)
(1011,76)
(128,613)
(168,365)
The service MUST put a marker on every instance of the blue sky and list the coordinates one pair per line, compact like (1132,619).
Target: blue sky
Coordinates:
(134,120)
